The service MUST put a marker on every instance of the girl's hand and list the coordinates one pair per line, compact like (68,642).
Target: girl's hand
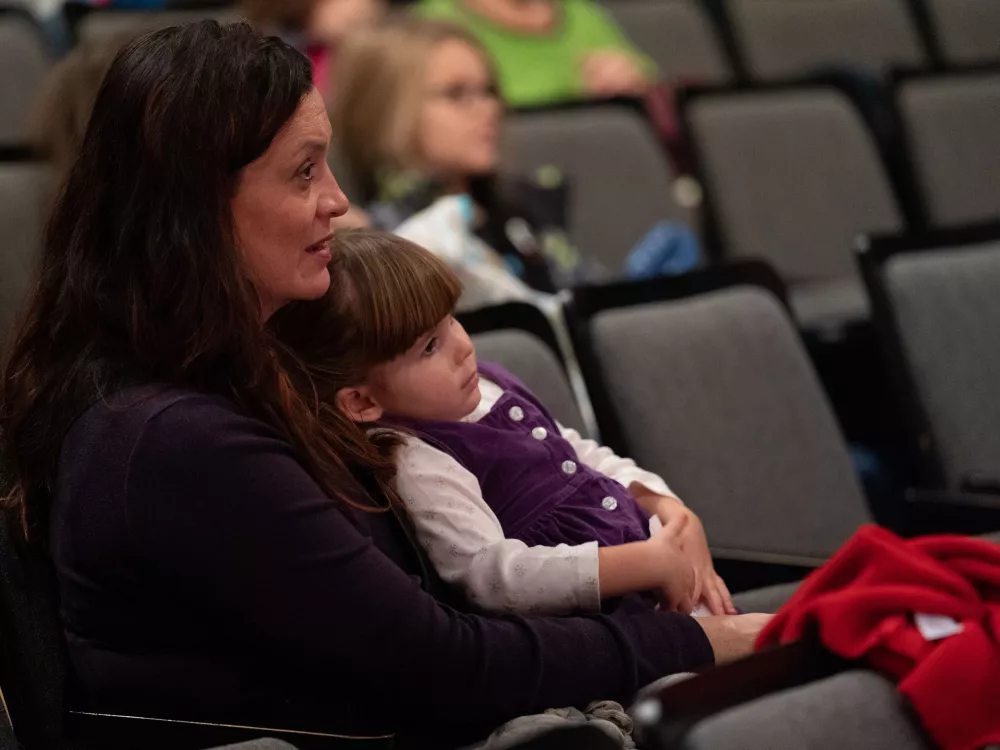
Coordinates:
(711,589)
(676,580)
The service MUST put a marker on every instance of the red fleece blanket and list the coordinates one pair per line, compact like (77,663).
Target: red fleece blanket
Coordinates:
(870,601)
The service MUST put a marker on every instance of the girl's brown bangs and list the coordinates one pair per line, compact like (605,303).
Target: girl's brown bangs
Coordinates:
(403,291)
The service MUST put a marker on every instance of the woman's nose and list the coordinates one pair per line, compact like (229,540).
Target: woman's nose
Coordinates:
(332,201)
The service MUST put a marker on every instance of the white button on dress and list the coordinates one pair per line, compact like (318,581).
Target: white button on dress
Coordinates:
(516,413)
(609,503)
(569,467)
(539,433)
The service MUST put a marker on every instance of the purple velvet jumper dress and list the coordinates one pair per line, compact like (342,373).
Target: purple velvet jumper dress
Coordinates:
(530,475)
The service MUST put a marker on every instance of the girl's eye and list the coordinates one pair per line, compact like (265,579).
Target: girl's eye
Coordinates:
(431,346)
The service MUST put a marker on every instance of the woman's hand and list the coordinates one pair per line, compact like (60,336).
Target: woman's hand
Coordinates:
(609,73)
(709,587)
(732,636)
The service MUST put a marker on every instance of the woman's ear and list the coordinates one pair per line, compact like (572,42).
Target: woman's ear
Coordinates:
(358,405)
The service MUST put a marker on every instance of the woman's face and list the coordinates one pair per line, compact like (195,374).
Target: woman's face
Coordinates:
(460,114)
(283,209)
(331,20)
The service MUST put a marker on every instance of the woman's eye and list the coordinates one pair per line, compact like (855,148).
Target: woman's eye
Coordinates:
(306,172)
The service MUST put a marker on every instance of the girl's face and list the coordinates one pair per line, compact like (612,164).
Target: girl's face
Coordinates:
(460,116)
(435,380)
(283,209)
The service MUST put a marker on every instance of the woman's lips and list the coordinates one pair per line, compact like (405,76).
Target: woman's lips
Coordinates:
(321,250)
(323,244)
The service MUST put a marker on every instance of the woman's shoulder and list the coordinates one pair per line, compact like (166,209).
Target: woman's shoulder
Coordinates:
(140,405)
(175,421)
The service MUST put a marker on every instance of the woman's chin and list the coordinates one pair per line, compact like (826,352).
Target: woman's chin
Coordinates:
(315,286)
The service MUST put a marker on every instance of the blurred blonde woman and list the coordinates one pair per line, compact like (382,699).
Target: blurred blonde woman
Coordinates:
(417,119)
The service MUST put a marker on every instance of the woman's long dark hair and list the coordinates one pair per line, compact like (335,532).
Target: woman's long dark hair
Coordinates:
(140,277)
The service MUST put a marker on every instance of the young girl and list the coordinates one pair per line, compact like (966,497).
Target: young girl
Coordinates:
(516,511)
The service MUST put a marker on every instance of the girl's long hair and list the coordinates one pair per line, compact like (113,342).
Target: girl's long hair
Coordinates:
(385,293)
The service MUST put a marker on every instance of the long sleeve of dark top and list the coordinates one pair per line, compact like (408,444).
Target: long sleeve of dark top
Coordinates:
(218,502)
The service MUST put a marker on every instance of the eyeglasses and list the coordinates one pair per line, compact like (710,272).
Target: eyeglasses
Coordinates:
(465,95)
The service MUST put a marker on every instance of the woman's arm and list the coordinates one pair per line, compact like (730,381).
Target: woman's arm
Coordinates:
(467,546)
(219,507)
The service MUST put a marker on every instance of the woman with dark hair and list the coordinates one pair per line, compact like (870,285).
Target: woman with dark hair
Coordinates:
(217,558)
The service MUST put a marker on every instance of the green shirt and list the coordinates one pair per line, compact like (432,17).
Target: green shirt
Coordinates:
(543,68)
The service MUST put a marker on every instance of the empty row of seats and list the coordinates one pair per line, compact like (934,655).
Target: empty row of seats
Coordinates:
(791,173)
(777,39)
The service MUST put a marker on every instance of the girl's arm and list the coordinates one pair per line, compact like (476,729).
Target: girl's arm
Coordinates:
(654,496)
(467,546)
(622,470)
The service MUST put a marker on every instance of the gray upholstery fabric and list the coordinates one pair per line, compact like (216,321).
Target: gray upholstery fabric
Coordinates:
(783,39)
(534,363)
(859,710)
(967,30)
(103,24)
(24,63)
(953,122)
(620,179)
(717,395)
(22,191)
(767,600)
(947,305)
(828,305)
(678,35)
(262,744)
(794,177)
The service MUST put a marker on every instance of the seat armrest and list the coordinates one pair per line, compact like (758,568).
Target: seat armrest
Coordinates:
(943,511)
(118,732)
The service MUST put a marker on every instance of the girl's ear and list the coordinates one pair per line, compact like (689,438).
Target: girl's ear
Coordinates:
(357,404)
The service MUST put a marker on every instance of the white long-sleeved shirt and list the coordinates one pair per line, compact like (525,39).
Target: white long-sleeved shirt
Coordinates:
(466,543)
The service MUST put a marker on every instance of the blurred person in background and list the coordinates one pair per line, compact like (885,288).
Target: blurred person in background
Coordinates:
(315,27)
(416,117)
(547,51)
(62,109)
(49,16)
